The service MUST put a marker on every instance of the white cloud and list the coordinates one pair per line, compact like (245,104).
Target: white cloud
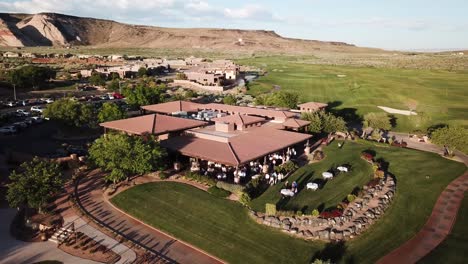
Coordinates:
(254,12)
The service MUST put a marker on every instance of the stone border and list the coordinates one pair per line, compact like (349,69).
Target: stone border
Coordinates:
(356,218)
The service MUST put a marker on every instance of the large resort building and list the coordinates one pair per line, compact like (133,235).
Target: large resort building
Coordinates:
(231,143)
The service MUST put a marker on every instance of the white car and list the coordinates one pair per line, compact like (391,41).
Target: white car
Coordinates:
(23,112)
(8,130)
(110,96)
(104,97)
(37,108)
(49,100)
(37,119)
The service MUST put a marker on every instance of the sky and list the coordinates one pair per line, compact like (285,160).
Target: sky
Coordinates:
(389,24)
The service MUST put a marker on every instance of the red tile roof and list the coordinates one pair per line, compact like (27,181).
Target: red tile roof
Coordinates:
(172,107)
(313,105)
(177,106)
(153,124)
(239,120)
(295,123)
(239,149)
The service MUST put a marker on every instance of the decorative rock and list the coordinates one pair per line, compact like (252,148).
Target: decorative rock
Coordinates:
(324,234)
(293,230)
(339,235)
(307,233)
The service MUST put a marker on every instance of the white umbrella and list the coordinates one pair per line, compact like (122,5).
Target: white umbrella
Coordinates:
(312,186)
(327,175)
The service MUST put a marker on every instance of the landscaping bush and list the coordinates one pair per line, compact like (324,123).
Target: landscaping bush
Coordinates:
(351,198)
(285,213)
(331,214)
(318,155)
(299,213)
(255,187)
(270,209)
(233,188)
(244,199)
(367,156)
(286,167)
(221,193)
(200,178)
(380,174)
(315,213)
(163,175)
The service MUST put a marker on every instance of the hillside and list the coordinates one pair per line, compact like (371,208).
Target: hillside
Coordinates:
(50,29)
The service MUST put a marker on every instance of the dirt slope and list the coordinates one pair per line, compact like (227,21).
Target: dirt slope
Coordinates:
(50,29)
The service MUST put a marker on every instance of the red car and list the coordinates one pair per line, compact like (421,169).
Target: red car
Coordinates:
(118,96)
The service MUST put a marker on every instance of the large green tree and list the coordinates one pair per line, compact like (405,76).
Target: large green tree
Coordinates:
(280,99)
(230,99)
(377,121)
(143,95)
(71,113)
(323,122)
(35,183)
(31,76)
(123,155)
(142,71)
(452,137)
(97,79)
(110,112)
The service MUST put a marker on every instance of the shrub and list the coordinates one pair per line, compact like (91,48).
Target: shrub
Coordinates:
(244,199)
(379,174)
(270,209)
(200,178)
(315,213)
(233,188)
(318,155)
(218,192)
(299,213)
(367,156)
(163,175)
(331,214)
(351,197)
(285,213)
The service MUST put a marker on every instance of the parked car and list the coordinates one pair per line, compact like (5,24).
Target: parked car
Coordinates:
(118,96)
(8,130)
(20,125)
(104,97)
(23,112)
(110,96)
(49,100)
(37,119)
(10,103)
(37,108)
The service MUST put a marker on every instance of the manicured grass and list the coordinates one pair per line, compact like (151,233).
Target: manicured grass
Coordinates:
(223,228)
(441,96)
(216,225)
(454,248)
(332,193)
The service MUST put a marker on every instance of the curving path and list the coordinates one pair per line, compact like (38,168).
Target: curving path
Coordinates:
(437,227)
(165,247)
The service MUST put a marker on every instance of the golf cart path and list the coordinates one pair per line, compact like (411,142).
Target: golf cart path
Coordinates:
(437,228)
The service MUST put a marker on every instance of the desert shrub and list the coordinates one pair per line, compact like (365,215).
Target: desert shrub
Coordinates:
(315,212)
(233,188)
(221,193)
(351,197)
(285,213)
(379,174)
(270,209)
(244,199)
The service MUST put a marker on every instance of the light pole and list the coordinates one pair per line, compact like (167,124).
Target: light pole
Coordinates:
(14,91)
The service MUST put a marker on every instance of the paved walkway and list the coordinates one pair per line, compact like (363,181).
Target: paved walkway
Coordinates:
(437,227)
(165,247)
(13,251)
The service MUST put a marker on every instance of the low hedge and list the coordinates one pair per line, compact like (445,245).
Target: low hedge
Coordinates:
(221,193)
(232,188)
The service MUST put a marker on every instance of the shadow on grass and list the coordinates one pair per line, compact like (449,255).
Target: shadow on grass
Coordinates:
(333,252)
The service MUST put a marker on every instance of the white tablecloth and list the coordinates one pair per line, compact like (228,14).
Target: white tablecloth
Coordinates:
(342,169)
(312,186)
(327,175)
(287,192)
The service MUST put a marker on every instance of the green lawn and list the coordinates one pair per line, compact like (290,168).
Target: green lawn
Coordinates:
(223,228)
(334,190)
(454,248)
(441,96)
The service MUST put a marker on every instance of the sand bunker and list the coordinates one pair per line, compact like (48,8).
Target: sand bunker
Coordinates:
(397,111)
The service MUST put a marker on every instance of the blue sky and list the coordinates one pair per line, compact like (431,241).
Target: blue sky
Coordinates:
(389,24)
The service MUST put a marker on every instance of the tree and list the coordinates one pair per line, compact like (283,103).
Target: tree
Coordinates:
(230,99)
(378,121)
(452,137)
(123,155)
(143,95)
(37,182)
(181,76)
(142,71)
(31,76)
(324,122)
(280,99)
(113,85)
(110,112)
(71,113)
(97,79)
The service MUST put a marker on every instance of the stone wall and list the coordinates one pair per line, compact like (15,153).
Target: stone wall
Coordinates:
(357,217)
